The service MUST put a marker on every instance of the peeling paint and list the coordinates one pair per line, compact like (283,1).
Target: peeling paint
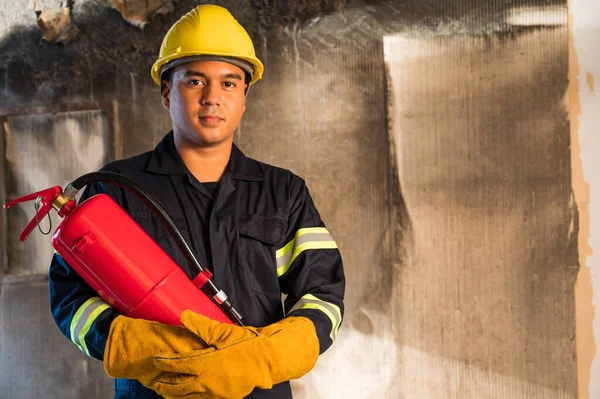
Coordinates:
(590,81)
(56,26)
(139,12)
(584,290)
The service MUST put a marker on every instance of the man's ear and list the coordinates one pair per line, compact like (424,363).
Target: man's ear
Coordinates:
(165,93)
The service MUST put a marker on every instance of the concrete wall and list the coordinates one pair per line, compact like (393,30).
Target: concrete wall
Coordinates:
(483,159)
(436,305)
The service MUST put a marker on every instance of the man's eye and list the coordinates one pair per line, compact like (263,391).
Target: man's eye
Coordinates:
(228,84)
(194,82)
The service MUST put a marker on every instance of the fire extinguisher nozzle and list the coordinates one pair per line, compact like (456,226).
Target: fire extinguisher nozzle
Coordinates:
(70,191)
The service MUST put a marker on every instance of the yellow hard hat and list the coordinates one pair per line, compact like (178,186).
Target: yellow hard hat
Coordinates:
(207,32)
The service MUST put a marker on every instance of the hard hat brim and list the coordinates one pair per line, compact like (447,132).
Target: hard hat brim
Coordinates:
(165,63)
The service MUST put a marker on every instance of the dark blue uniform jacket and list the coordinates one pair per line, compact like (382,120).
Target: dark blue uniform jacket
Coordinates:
(259,234)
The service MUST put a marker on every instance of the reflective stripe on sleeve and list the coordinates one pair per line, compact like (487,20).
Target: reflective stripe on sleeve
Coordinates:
(307,238)
(332,311)
(83,320)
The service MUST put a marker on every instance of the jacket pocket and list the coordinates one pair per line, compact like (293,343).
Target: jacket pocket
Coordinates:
(266,228)
(259,237)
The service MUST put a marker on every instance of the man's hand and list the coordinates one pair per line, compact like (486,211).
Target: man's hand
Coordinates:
(238,359)
(132,345)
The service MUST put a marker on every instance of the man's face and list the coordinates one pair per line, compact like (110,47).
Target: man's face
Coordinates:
(206,101)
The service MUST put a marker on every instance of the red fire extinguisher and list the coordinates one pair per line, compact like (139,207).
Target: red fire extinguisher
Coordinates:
(120,261)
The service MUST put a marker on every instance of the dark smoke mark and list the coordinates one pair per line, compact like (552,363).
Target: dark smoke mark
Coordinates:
(109,54)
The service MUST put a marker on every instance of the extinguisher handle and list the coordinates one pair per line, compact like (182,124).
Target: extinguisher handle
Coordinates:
(47,198)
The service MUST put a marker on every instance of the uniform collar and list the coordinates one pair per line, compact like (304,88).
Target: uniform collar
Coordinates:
(165,160)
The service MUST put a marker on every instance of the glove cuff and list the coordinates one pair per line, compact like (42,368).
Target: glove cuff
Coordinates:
(294,348)
(112,366)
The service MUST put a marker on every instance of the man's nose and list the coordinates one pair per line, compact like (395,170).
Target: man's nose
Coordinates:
(210,94)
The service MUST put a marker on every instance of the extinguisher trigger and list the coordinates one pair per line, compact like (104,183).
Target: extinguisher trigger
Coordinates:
(44,200)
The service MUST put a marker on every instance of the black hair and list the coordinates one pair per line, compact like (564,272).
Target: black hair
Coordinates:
(167,75)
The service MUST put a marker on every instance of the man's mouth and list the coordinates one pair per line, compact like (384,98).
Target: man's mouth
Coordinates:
(210,118)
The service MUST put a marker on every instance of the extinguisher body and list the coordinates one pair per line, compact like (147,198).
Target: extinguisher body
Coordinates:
(126,267)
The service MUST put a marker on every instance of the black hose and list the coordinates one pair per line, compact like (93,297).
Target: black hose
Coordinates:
(164,217)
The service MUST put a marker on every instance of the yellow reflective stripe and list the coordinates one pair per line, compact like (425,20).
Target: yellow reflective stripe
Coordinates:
(336,309)
(75,320)
(307,238)
(88,325)
(286,249)
(83,320)
(299,249)
(299,233)
(332,311)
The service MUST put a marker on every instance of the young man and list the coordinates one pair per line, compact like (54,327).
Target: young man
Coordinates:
(253,225)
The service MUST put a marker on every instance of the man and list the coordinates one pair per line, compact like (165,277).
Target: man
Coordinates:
(253,225)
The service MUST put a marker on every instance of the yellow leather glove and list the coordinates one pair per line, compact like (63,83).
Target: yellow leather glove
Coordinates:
(132,345)
(239,358)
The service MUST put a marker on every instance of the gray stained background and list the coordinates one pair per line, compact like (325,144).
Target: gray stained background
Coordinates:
(433,136)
